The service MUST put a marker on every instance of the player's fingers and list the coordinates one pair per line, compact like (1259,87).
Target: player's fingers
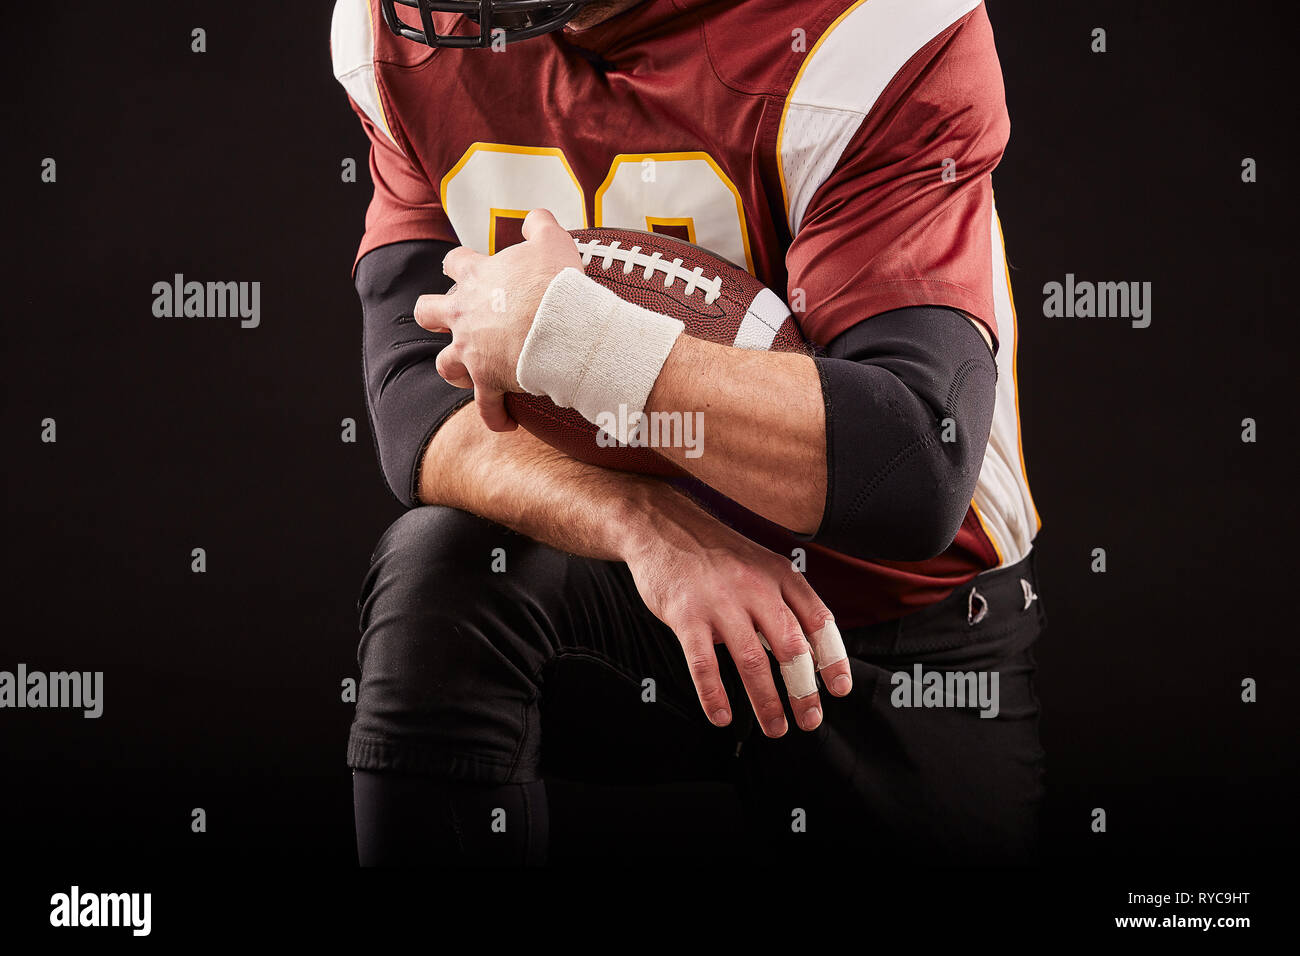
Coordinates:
(702,663)
(755,671)
(461,262)
(818,624)
(436,313)
(451,368)
(837,676)
(492,409)
(537,222)
(779,632)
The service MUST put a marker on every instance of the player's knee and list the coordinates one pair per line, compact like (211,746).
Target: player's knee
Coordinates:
(435,536)
(432,612)
(431,564)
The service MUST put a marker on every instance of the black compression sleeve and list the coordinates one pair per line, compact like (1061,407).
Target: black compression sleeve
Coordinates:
(909,403)
(406,400)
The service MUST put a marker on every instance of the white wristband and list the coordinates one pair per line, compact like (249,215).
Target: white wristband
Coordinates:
(592,351)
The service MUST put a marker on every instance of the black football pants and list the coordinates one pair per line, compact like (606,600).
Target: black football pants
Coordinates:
(484,652)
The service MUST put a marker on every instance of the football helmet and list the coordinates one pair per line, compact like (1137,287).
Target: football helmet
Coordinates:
(515,19)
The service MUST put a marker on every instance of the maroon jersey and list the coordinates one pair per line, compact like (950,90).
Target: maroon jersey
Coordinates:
(841,152)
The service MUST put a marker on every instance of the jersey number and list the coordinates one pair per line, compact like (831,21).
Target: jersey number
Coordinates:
(683,194)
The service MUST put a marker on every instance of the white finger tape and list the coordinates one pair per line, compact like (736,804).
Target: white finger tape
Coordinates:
(799,676)
(828,646)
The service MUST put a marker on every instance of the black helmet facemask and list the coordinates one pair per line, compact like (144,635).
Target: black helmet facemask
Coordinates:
(513,20)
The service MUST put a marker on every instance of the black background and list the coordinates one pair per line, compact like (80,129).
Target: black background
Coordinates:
(223,689)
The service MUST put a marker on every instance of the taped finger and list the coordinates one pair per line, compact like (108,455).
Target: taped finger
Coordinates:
(828,646)
(799,675)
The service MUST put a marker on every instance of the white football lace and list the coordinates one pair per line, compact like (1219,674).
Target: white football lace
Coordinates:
(634,257)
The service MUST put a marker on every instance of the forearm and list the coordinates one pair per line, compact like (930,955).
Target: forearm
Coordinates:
(520,482)
(764,438)
(764,443)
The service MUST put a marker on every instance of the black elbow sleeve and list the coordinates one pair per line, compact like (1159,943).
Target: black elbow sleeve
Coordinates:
(909,400)
(406,400)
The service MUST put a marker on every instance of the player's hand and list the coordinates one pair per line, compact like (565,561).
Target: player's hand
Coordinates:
(712,585)
(490,310)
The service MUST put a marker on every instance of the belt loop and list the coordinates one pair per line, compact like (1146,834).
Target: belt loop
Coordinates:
(976,607)
(1028,590)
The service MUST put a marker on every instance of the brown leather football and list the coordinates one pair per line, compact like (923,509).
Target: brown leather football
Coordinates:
(715,299)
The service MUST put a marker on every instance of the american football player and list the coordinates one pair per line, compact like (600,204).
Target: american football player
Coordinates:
(863,530)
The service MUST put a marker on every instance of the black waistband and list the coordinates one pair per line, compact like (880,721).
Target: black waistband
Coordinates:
(986,605)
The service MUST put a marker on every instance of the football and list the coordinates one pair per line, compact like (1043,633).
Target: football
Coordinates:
(715,299)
